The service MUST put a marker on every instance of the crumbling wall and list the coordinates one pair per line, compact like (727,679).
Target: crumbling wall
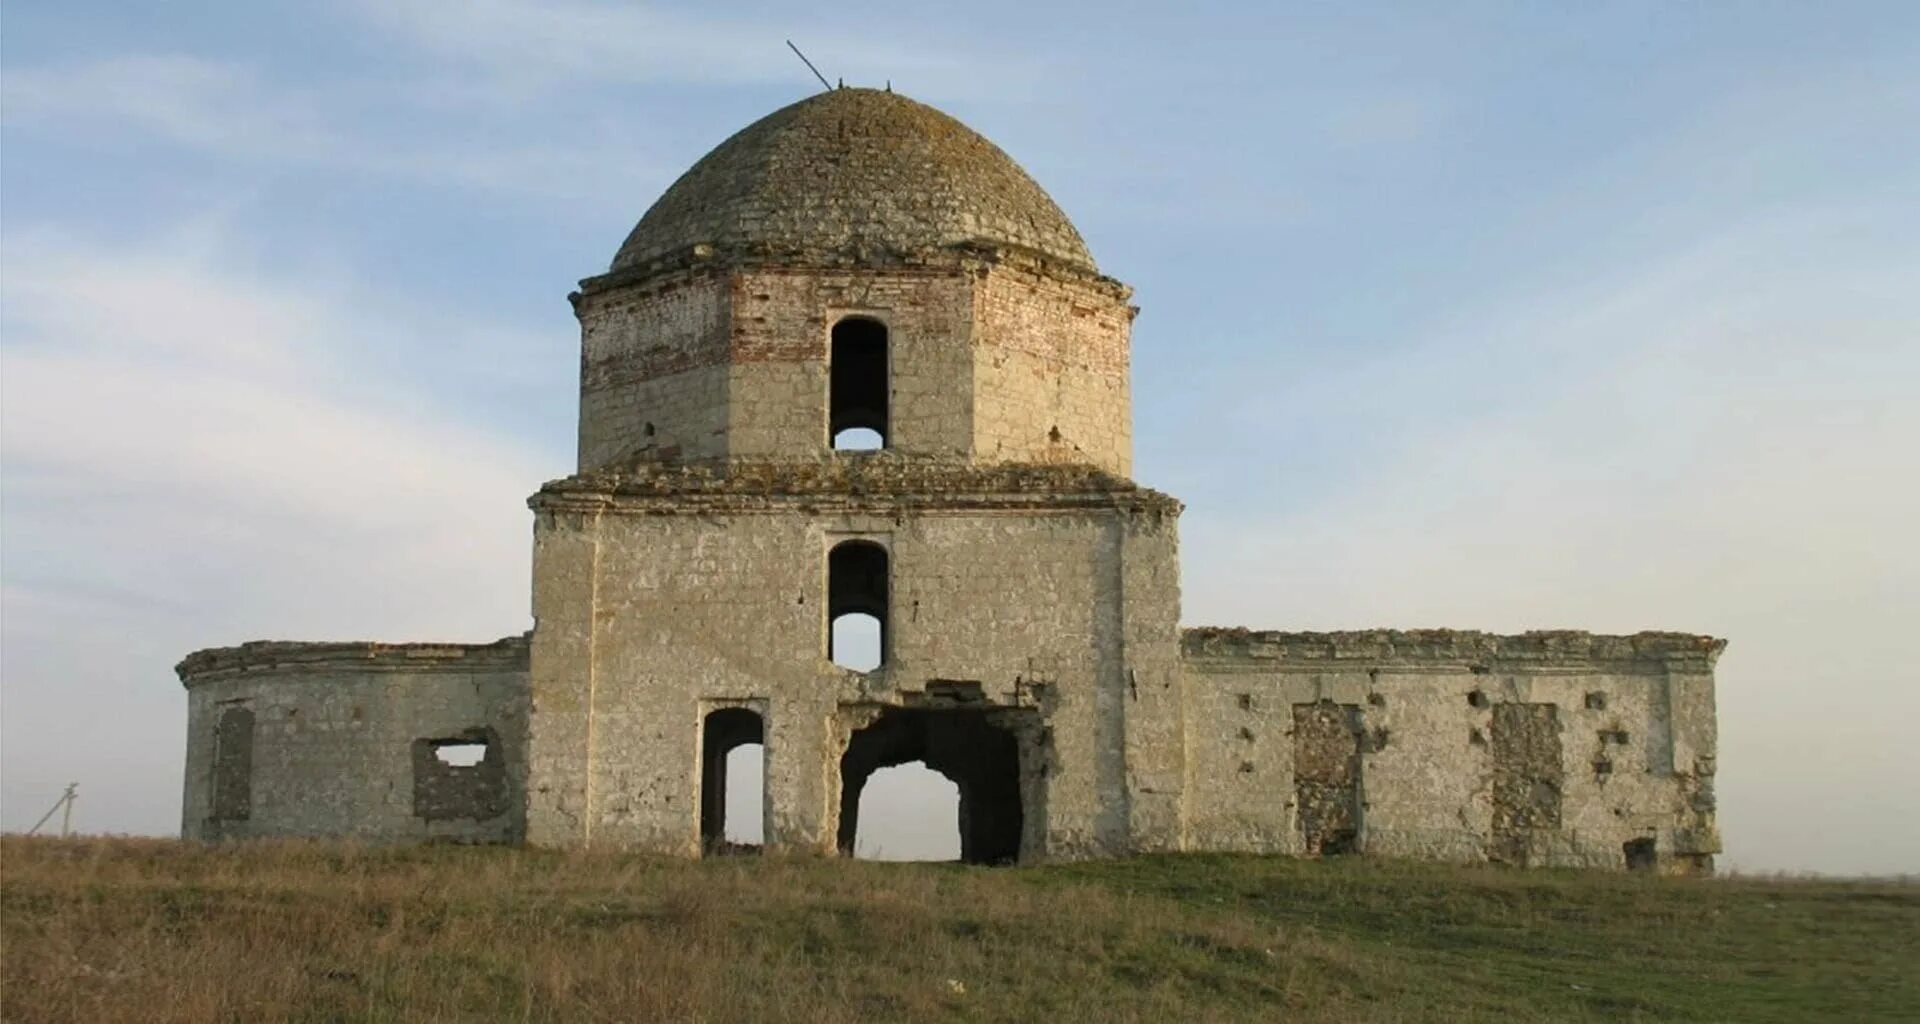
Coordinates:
(1544,748)
(288,739)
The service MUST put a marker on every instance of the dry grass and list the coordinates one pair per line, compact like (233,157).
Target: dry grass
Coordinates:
(152,930)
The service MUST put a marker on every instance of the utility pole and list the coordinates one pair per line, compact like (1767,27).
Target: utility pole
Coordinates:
(64,805)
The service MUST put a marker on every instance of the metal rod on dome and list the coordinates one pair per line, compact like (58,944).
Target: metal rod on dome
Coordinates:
(809,64)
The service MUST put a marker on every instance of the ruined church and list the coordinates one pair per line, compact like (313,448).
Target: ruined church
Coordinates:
(856,369)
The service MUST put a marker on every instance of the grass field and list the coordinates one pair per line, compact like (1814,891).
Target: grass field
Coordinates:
(152,930)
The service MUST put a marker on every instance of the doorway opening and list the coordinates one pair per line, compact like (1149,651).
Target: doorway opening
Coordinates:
(732,742)
(978,757)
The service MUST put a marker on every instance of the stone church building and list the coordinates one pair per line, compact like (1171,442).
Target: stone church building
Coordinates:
(861,268)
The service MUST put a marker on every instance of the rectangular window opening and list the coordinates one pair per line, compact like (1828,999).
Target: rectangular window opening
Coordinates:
(460,753)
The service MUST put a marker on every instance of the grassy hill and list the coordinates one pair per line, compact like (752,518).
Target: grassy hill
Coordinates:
(151,930)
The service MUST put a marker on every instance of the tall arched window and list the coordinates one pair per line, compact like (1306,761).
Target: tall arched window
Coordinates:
(857,385)
(857,605)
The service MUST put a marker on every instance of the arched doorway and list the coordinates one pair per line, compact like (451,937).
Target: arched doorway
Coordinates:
(725,732)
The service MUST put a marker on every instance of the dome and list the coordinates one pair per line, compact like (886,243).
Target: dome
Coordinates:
(853,175)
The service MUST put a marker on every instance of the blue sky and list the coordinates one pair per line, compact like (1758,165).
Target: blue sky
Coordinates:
(1487,316)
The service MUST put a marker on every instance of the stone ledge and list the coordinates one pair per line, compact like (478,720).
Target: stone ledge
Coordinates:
(1465,648)
(275,656)
(970,258)
(877,481)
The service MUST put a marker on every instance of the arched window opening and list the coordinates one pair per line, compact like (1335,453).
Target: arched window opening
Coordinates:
(726,732)
(967,778)
(857,385)
(908,812)
(857,605)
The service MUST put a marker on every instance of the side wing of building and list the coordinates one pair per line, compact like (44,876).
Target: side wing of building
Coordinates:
(1552,748)
(382,742)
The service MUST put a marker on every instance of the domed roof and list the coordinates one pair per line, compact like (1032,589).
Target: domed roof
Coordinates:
(853,175)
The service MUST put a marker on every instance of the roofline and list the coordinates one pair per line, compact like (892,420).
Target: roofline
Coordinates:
(277,657)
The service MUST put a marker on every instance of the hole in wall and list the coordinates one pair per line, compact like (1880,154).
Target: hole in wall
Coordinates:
(1596,701)
(460,754)
(1641,854)
(1478,698)
(462,776)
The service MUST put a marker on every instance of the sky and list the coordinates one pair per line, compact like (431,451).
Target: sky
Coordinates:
(1492,316)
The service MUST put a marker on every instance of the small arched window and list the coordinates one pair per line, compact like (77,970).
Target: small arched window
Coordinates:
(857,385)
(857,605)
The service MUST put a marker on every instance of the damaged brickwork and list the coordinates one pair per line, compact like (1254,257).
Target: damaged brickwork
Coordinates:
(1326,776)
(689,575)
(1527,776)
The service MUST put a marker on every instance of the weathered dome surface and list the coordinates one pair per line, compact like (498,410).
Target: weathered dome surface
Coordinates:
(853,176)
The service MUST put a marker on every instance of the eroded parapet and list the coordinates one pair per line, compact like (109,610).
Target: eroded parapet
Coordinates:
(280,656)
(366,740)
(1470,648)
(1558,748)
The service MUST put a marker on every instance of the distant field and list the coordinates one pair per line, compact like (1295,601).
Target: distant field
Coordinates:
(152,930)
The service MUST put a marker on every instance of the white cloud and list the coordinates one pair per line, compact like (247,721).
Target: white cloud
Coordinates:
(1723,442)
(186,464)
(231,111)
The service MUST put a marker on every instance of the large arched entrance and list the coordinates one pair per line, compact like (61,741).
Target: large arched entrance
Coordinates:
(980,757)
